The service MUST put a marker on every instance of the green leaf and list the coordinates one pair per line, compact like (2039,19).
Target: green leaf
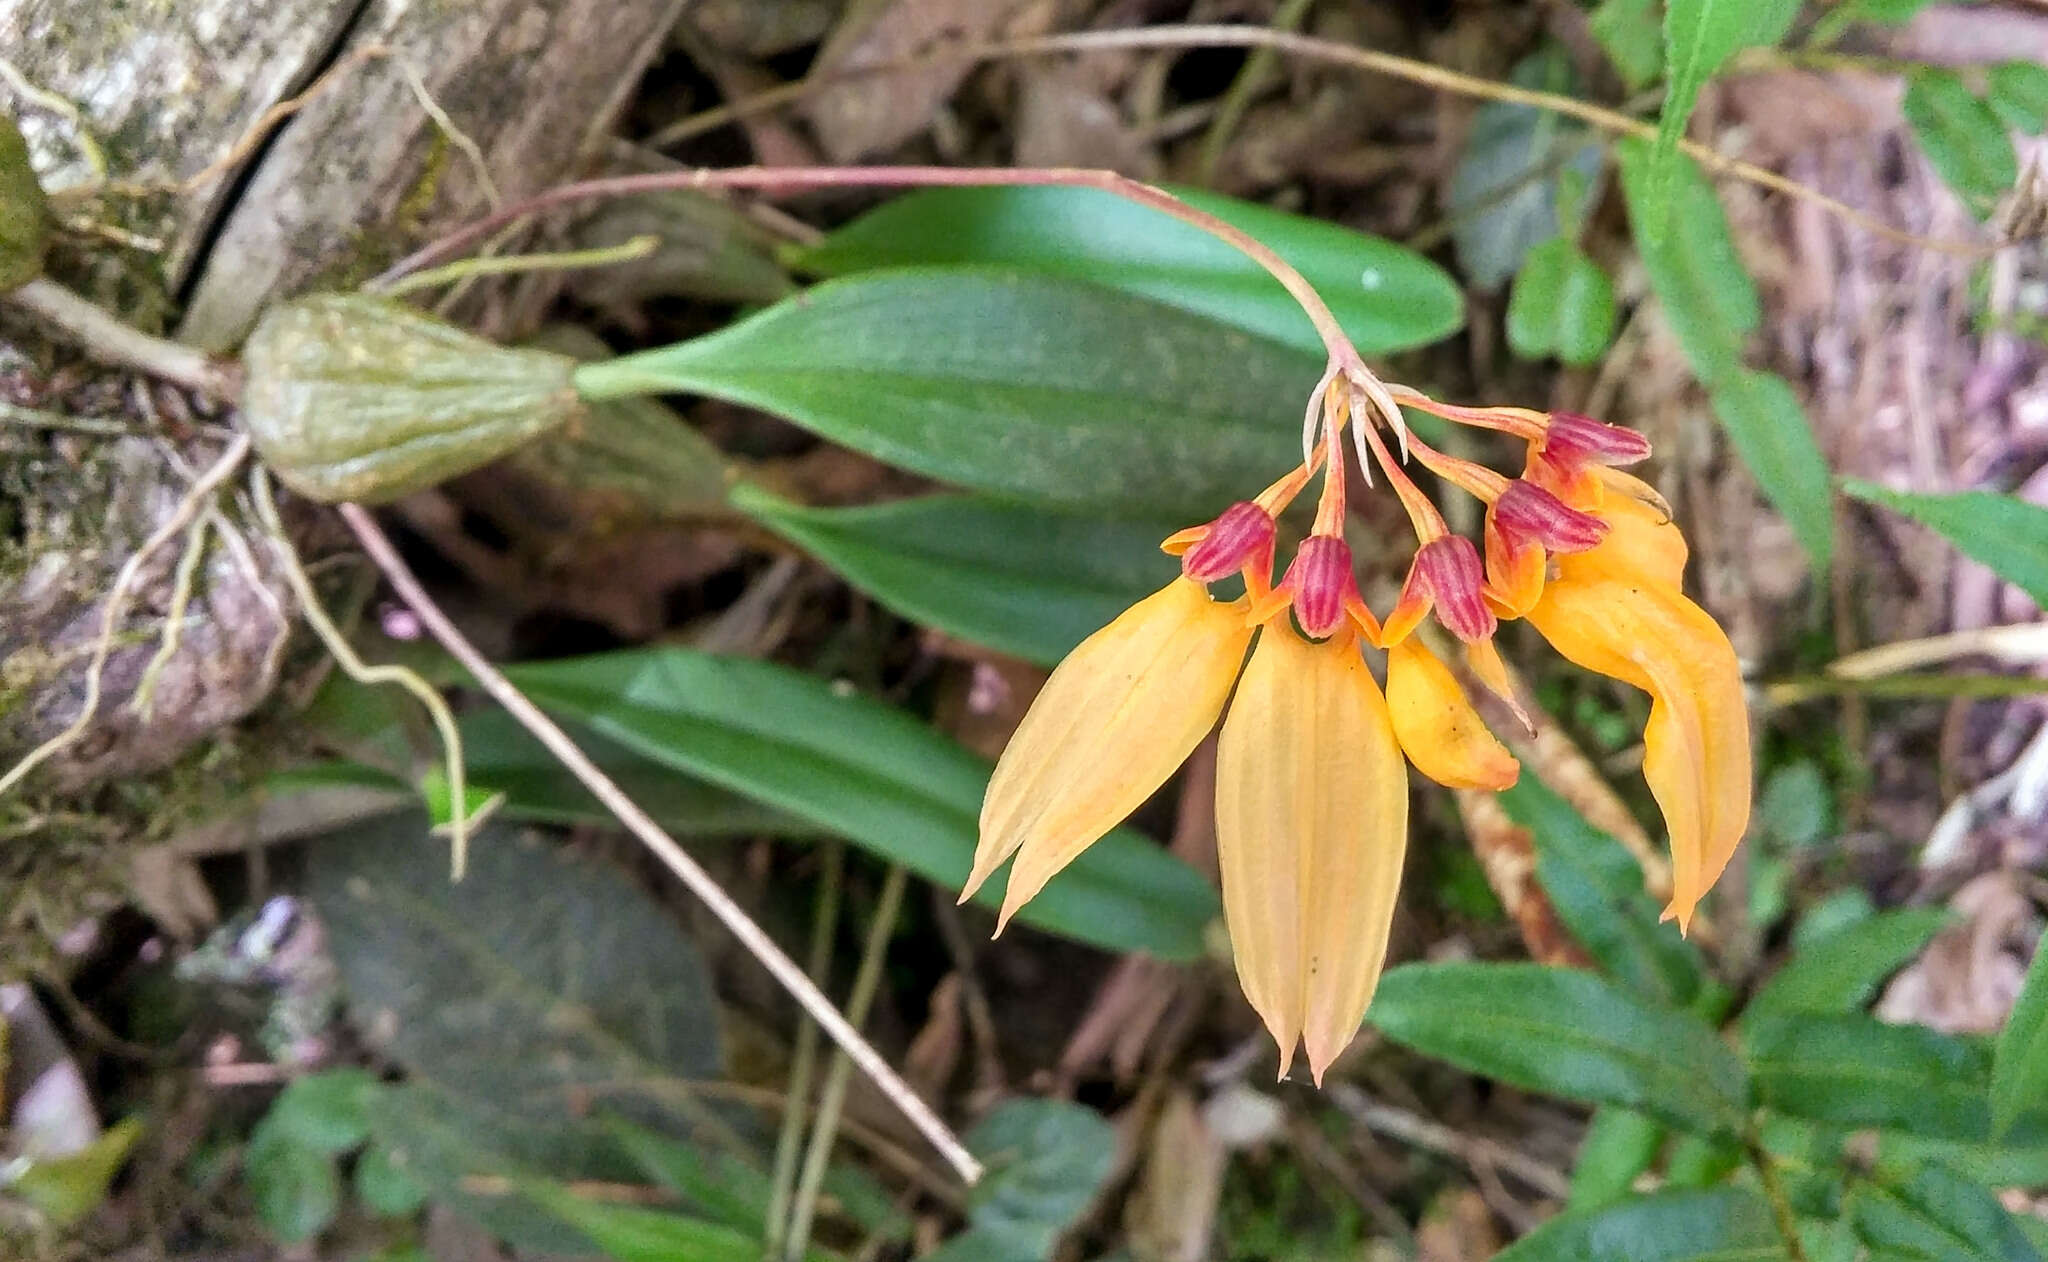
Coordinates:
(1597,889)
(1696,1161)
(1706,293)
(66,1189)
(1725,1224)
(504,758)
(1963,136)
(542,982)
(2004,532)
(718,1184)
(1854,1070)
(1888,12)
(627,457)
(1032,387)
(382,1183)
(2019,95)
(1839,973)
(1562,304)
(877,776)
(1505,192)
(1699,38)
(326,1112)
(1632,37)
(629,1233)
(1386,296)
(1046,1159)
(2019,1065)
(2034,1228)
(1769,430)
(1796,805)
(1567,1033)
(1028,581)
(295,1188)
(1829,1240)
(1939,1215)
(446,1142)
(543,949)
(1618,1146)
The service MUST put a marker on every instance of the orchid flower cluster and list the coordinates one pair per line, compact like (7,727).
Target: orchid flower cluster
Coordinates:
(1311,778)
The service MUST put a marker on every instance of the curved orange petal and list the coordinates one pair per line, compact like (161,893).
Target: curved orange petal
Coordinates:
(1311,827)
(1514,572)
(1696,745)
(1438,728)
(1111,724)
(1641,538)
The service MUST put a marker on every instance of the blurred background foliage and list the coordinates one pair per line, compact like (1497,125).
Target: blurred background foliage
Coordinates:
(859,468)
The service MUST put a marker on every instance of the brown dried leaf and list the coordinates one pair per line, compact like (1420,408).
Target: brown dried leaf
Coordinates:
(1457,1227)
(1966,980)
(1064,119)
(881,111)
(1508,858)
(1171,1216)
(934,1054)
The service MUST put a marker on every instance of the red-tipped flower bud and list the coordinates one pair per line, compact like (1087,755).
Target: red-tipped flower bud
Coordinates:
(1322,584)
(1574,441)
(1238,536)
(1526,513)
(1450,571)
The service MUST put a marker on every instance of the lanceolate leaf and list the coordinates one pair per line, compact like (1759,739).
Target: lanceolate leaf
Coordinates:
(1723,1224)
(1618,1146)
(1506,193)
(1701,285)
(1032,387)
(1964,137)
(2004,532)
(1029,581)
(631,1233)
(1629,33)
(1769,429)
(1387,297)
(1839,972)
(1567,1033)
(2019,1068)
(1699,37)
(1938,1214)
(2019,95)
(1598,892)
(1562,304)
(874,774)
(1855,1070)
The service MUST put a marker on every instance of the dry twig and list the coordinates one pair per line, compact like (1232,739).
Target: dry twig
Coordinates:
(674,857)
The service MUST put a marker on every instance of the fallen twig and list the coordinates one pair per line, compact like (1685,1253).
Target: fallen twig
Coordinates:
(1312,48)
(663,847)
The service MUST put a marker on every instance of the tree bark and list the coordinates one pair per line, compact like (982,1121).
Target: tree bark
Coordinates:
(364,171)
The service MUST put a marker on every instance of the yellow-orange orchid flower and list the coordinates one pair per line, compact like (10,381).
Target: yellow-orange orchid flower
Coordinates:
(1111,724)
(1444,736)
(1618,610)
(1311,827)
(1311,798)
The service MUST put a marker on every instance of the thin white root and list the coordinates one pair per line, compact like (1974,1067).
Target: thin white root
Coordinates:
(459,822)
(144,700)
(115,606)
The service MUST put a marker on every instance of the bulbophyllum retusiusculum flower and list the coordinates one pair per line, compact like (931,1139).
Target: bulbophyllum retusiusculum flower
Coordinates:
(1311,775)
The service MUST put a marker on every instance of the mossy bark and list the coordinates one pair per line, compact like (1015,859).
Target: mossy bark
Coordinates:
(360,175)
(363,171)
